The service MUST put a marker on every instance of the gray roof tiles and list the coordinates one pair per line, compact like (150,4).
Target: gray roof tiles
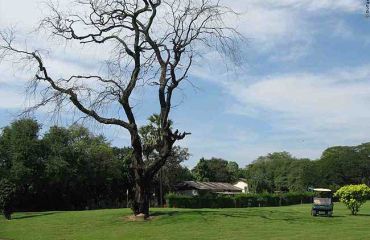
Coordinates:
(211,186)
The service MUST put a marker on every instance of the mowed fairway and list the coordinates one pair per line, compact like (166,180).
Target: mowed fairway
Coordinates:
(292,222)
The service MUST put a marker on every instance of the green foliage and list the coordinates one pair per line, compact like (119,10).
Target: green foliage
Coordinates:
(22,158)
(7,195)
(172,171)
(276,172)
(353,196)
(239,200)
(22,151)
(201,171)
(338,166)
(82,170)
(68,168)
(216,170)
(206,201)
(151,136)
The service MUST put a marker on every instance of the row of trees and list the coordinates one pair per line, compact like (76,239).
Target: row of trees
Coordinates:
(282,172)
(338,166)
(68,168)
(71,168)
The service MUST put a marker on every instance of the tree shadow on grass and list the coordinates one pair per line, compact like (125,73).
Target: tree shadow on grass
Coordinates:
(269,215)
(164,213)
(32,215)
(363,215)
(208,214)
(203,214)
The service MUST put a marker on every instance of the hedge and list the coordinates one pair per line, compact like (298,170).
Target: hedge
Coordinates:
(237,201)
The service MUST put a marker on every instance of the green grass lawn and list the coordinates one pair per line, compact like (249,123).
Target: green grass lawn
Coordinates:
(292,222)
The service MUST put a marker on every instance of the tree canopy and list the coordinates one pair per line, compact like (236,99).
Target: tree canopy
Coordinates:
(216,170)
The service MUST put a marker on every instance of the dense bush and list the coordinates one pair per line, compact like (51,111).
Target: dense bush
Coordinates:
(239,201)
(7,193)
(353,196)
(208,201)
(291,198)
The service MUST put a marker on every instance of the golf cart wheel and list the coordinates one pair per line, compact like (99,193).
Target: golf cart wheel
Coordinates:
(330,213)
(314,213)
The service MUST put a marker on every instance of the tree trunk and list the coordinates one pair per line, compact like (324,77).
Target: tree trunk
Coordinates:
(142,199)
(140,204)
(7,214)
(144,177)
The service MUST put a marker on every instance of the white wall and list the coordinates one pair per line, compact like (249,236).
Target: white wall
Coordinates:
(243,185)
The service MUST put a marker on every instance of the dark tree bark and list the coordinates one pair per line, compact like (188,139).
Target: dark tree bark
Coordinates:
(154,42)
(7,214)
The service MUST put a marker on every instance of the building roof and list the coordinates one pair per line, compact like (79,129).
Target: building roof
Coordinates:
(210,186)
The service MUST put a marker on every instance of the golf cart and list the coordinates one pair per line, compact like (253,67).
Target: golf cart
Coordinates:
(322,202)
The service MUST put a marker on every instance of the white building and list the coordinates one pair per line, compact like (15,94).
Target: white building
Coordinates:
(242,184)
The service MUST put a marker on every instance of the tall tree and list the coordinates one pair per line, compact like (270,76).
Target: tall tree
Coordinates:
(201,171)
(81,170)
(155,42)
(343,165)
(216,170)
(22,159)
(271,172)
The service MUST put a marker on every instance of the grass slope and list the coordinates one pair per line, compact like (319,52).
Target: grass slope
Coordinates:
(292,222)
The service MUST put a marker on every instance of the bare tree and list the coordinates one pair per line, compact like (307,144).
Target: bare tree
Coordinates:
(155,42)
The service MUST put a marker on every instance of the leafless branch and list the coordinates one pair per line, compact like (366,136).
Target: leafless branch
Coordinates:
(154,43)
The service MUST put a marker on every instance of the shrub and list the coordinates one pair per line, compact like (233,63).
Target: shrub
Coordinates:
(7,193)
(353,196)
(208,201)
(291,198)
(246,200)
(239,200)
(268,200)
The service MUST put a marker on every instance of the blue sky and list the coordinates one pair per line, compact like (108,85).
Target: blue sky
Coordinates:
(304,84)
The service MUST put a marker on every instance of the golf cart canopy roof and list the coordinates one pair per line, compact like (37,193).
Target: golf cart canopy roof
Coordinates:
(321,190)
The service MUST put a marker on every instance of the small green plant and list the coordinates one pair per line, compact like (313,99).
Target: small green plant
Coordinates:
(353,196)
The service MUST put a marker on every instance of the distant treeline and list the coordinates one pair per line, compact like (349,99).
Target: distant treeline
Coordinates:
(281,172)
(71,168)
(337,166)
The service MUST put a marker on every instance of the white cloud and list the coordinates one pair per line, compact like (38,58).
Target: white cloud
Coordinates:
(309,5)
(333,104)
(284,28)
(10,99)
(24,14)
(267,26)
